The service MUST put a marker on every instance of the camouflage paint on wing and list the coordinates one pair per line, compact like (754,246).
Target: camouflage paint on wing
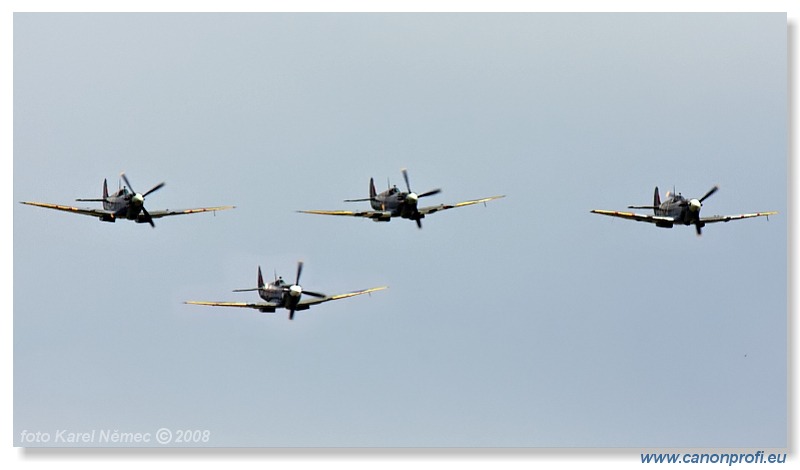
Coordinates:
(262,307)
(728,218)
(164,213)
(76,210)
(365,214)
(441,207)
(653,219)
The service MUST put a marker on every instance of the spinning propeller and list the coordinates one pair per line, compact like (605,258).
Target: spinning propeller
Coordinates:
(694,206)
(138,198)
(295,291)
(412,197)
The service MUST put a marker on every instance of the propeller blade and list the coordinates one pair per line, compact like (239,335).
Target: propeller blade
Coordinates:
(149,219)
(127,182)
(154,189)
(709,193)
(419,222)
(430,193)
(405,177)
(314,294)
(291,314)
(699,229)
(299,270)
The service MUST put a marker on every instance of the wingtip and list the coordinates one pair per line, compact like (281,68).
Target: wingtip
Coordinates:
(376,289)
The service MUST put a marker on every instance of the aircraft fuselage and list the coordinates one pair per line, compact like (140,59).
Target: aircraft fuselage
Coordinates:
(682,210)
(281,293)
(396,203)
(274,292)
(124,204)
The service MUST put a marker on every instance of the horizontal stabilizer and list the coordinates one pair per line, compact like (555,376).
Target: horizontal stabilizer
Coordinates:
(247,290)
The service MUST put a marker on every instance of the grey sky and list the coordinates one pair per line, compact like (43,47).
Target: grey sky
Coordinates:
(530,322)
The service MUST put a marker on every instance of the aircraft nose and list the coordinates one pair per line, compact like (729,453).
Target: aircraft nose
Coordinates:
(694,205)
(295,291)
(138,199)
(412,198)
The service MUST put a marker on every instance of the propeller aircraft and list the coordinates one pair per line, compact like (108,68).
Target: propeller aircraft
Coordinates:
(125,203)
(280,294)
(676,209)
(395,203)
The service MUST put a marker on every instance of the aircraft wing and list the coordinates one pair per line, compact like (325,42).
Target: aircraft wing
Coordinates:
(383,215)
(264,307)
(75,210)
(728,218)
(653,219)
(166,212)
(305,303)
(441,207)
(302,305)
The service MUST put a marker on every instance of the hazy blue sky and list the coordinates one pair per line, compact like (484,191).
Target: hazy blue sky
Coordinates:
(527,323)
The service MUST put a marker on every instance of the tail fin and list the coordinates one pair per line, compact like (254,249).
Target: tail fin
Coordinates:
(260,278)
(656,199)
(105,195)
(372,193)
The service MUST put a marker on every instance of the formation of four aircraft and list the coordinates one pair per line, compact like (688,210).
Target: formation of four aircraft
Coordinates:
(126,203)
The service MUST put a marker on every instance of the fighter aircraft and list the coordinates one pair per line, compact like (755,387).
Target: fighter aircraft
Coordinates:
(125,203)
(676,209)
(279,294)
(395,203)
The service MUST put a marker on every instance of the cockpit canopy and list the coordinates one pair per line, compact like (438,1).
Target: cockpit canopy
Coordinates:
(670,196)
